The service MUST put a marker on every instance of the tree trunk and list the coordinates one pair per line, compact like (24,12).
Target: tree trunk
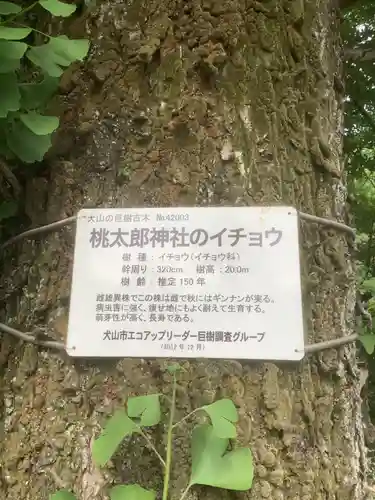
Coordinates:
(195,102)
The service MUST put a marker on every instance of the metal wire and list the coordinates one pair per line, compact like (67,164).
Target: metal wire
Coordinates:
(54,226)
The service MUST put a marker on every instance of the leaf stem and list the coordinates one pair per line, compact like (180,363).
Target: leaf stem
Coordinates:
(32,29)
(23,11)
(167,398)
(149,442)
(186,417)
(169,442)
(185,492)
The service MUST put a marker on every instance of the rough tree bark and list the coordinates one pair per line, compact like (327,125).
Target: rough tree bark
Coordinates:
(193,102)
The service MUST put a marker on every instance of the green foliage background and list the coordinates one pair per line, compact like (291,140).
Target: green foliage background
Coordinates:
(358,32)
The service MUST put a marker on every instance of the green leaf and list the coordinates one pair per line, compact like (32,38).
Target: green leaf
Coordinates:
(212,465)
(131,492)
(27,146)
(10,95)
(57,8)
(369,285)
(63,495)
(35,95)
(14,33)
(44,58)
(59,51)
(40,124)
(117,428)
(72,50)
(223,413)
(174,368)
(147,408)
(7,209)
(10,55)
(12,50)
(9,65)
(7,8)
(368,342)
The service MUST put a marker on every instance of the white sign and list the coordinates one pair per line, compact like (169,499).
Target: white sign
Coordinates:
(203,282)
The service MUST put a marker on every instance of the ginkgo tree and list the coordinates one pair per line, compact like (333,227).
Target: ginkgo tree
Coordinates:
(25,129)
(212,463)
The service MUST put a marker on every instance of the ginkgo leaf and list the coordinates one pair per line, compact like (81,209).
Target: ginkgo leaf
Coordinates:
(10,94)
(35,95)
(57,8)
(44,58)
(40,124)
(223,414)
(14,33)
(10,54)
(146,408)
(9,65)
(59,51)
(368,342)
(12,50)
(34,147)
(213,465)
(131,492)
(72,50)
(117,428)
(7,8)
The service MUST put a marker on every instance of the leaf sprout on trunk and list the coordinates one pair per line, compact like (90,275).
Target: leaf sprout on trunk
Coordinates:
(213,462)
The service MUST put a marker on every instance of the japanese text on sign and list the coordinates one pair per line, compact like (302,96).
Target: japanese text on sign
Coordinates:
(171,282)
(176,238)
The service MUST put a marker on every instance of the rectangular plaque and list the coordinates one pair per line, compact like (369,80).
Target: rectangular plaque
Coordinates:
(202,282)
